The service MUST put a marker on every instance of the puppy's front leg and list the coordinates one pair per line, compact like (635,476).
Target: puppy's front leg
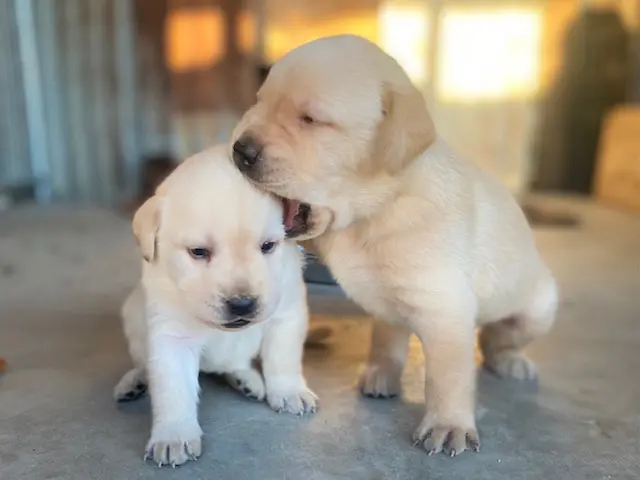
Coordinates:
(448,339)
(282,350)
(172,368)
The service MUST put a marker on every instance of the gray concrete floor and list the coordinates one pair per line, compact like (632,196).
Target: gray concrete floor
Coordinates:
(63,274)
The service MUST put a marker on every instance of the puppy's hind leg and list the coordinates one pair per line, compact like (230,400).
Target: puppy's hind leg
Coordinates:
(132,386)
(388,354)
(502,342)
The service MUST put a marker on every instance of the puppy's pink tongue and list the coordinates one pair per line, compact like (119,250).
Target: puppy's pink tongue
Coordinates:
(291,208)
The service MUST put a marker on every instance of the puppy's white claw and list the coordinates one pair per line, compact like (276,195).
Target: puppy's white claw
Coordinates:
(175,453)
(297,401)
(450,437)
(168,447)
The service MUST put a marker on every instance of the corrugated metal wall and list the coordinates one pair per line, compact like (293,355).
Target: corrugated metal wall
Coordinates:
(85,96)
(15,166)
(69,98)
(87,65)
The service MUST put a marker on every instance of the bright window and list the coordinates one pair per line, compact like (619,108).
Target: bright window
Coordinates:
(404,34)
(488,54)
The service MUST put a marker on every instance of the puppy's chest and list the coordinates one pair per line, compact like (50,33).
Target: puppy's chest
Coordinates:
(228,351)
(363,273)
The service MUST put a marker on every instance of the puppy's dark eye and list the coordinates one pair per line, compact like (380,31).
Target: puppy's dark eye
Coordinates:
(200,253)
(268,247)
(309,120)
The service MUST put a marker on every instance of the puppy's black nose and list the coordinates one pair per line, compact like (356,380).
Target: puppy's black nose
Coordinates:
(246,153)
(244,307)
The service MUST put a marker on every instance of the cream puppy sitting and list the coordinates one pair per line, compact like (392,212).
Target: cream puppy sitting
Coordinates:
(421,238)
(220,286)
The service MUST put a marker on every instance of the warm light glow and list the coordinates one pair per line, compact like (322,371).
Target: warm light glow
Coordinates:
(285,34)
(246,32)
(194,38)
(489,55)
(404,34)
(401,29)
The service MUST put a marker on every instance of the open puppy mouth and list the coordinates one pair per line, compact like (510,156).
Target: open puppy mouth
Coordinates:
(239,323)
(296,217)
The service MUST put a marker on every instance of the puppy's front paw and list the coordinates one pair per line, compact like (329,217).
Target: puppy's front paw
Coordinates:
(453,437)
(297,400)
(174,444)
(380,381)
(512,365)
(248,382)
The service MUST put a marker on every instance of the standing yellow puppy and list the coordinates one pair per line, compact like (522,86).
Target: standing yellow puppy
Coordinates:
(421,238)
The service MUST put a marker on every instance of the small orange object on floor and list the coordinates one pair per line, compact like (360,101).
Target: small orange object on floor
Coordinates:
(3,365)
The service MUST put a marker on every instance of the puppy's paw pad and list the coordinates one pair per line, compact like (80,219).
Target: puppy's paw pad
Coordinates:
(173,452)
(249,383)
(130,388)
(299,402)
(435,437)
(513,365)
(138,392)
(380,381)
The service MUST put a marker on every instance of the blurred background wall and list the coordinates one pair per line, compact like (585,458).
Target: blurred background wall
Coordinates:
(89,89)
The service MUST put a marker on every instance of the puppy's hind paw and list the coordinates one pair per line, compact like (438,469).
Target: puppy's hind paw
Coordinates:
(512,365)
(380,381)
(131,387)
(248,382)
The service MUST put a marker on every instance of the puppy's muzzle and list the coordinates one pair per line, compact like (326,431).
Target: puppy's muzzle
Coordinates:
(246,153)
(240,311)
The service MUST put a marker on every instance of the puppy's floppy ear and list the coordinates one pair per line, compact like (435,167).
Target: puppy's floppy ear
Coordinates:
(406,130)
(146,223)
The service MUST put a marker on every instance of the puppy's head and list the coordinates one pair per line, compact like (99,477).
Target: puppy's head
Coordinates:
(213,243)
(332,115)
